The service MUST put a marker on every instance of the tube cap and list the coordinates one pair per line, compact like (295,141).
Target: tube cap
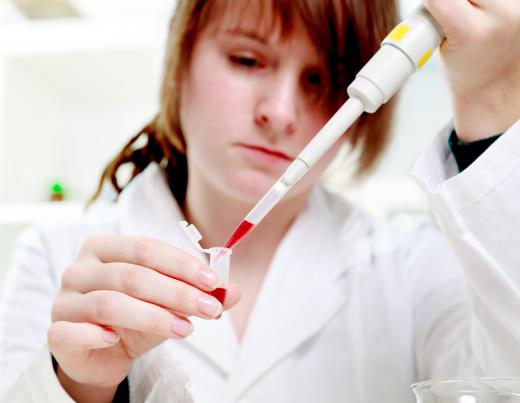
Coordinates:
(219,258)
(193,234)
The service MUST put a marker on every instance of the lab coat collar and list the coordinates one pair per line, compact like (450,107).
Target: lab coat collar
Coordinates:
(302,289)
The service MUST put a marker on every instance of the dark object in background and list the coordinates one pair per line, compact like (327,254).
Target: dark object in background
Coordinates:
(39,9)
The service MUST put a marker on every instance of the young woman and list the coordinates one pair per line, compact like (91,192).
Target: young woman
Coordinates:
(334,307)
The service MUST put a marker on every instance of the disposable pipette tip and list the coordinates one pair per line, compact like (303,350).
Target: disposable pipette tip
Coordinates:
(240,232)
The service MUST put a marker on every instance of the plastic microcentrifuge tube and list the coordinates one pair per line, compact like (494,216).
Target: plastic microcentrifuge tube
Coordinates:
(219,260)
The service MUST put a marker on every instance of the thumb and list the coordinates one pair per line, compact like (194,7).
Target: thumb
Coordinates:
(69,337)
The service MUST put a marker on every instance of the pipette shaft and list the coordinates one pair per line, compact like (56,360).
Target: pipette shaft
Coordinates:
(405,50)
(313,151)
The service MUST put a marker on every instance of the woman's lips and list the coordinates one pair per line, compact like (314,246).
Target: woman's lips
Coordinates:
(267,153)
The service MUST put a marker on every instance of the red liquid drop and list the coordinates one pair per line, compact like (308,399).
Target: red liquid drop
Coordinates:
(243,229)
(220,294)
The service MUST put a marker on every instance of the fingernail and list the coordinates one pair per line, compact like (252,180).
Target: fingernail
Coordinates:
(208,278)
(209,306)
(110,337)
(180,327)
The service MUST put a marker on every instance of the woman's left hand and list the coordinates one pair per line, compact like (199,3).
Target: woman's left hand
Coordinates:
(481,56)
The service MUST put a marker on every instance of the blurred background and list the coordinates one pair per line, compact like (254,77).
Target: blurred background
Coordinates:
(79,77)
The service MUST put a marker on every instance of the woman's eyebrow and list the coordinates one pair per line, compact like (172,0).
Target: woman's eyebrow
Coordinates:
(248,33)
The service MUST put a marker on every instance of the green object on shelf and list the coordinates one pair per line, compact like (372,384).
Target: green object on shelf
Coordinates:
(57,188)
(57,191)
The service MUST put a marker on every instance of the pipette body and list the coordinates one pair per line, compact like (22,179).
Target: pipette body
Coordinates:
(405,50)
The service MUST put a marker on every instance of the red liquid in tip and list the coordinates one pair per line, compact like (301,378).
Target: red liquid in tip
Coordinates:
(243,229)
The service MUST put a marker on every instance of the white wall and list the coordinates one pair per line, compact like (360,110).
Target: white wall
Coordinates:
(72,91)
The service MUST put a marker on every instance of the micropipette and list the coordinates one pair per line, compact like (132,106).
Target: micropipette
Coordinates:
(405,50)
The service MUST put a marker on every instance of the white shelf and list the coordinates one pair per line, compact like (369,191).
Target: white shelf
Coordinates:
(81,34)
(111,9)
(74,90)
(125,8)
(24,214)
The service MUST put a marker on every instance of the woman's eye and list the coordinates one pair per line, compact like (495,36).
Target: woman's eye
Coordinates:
(314,79)
(245,61)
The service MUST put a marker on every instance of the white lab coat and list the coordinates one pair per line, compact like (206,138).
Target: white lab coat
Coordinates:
(351,310)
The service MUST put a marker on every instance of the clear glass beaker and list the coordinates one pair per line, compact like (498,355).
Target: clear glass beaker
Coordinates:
(468,390)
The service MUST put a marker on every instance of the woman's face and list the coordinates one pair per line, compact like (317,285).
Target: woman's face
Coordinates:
(249,103)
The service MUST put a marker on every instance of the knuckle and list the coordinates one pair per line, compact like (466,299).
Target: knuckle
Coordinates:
(69,276)
(89,243)
(104,307)
(180,300)
(54,336)
(143,251)
(57,309)
(156,325)
(92,242)
(131,282)
(188,266)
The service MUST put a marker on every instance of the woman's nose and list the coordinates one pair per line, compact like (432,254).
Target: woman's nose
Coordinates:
(277,109)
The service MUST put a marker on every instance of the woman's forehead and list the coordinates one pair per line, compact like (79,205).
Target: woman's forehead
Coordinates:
(259,17)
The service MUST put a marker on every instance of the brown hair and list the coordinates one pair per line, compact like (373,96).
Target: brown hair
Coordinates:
(346,32)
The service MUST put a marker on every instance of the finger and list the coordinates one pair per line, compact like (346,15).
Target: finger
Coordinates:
(233,295)
(452,15)
(118,310)
(68,337)
(155,254)
(146,285)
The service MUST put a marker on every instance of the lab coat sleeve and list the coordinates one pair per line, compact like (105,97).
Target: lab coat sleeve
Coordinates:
(38,384)
(32,283)
(478,211)
(25,307)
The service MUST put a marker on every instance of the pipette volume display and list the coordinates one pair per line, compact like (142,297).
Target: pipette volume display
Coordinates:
(405,50)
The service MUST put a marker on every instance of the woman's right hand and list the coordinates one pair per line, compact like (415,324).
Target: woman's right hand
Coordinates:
(123,296)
